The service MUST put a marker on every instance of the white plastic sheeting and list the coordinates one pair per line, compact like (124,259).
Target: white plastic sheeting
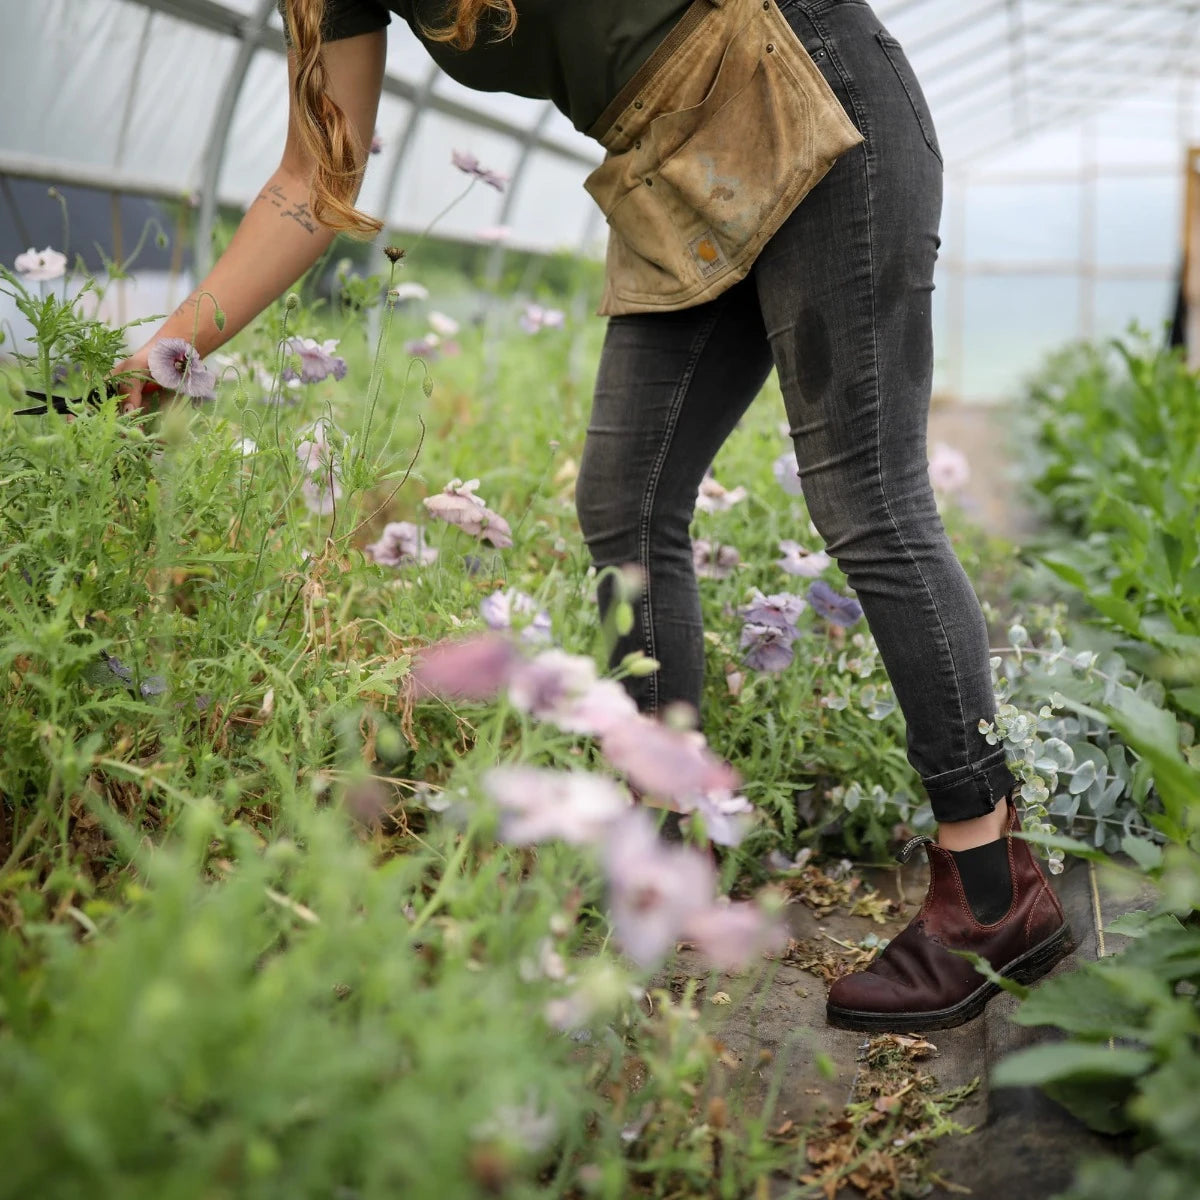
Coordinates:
(1062,122)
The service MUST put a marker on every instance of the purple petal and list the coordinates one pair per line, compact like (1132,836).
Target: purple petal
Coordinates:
(833,606)
(472,668)
(768,648)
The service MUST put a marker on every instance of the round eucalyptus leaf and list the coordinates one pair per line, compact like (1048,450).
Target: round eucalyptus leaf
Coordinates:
(1082,778)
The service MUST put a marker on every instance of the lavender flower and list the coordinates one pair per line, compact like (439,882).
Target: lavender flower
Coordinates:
(425,347)
(321,488)
(726,817)
(539,805)
(458,505)
(443,325)
(469,165)
(174,364)
(500,607)
(787,474)
(41,265)
(781,610)
(401,542)
(712,561)
(768,647)
(799,560)
(551,682)
(376,146)
(317,360)
(833,606)
(731,936)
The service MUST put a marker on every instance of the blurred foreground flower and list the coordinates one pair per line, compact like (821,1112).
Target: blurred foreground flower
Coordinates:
(672,763)
(41,265)
(538,804)
(317,360)
(458,505)
(470,668)
(174,364)
(948,468)
(799,560)
(401,542)
(469,164)
(833,606)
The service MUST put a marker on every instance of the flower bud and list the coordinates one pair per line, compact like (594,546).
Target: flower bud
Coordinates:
(292,302)
(639,664)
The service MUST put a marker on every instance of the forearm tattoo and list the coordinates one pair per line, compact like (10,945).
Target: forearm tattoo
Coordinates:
(291,210)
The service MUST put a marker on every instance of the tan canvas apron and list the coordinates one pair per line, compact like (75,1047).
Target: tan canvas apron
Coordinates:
(711,146)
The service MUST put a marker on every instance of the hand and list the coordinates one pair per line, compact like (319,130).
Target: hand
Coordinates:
(136,386)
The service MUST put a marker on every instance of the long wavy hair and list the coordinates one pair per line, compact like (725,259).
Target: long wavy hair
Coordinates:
(324,128)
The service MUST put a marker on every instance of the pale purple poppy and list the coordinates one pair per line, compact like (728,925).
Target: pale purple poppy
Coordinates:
(426,347)
(443,325)
(714,498)
(787,473)
(400,543)
(41,265)
(410,290)
(948,468)
(469,165)
(458,505)
(732,936)
(781,610)
(539,805)
(768,648)
(175,365)
(470,668)
(321,493)
(833,606)
(499,609)
(536,318)
(317,360)
(727,817)
(654,889)
(799,560)
(712,561)
(674,763)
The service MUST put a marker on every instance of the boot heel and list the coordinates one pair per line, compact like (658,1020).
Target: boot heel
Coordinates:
(1039,961)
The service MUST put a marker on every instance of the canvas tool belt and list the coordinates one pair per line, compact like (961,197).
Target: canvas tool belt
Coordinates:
(711,145)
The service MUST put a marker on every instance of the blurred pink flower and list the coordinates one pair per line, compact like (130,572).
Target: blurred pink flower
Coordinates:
(799,560)
(174,364)
(536,318)
(787,474)
(41,265)
(732,936)
(674,763)
(317,360)
(494,233)
(654,889)
(712,561)
(321,493)
(948,468)
(426,347)
(401,542)
(498,610)
(714,498)
(726,817)
(376,143)
(538,805)
(470,668)
(458,505)
(550,682)
(597,711)
(442,325)
(469,164)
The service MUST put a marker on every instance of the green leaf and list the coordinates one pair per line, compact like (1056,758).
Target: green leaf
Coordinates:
(1070,1060)
(1147,854)
(990,973)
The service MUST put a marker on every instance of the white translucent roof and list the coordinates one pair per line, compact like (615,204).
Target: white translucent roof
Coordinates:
(1062,124)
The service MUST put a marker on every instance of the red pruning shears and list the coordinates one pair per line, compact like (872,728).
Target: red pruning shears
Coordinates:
(67,408)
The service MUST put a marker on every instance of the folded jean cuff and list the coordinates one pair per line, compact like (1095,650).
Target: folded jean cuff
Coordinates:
(972,792)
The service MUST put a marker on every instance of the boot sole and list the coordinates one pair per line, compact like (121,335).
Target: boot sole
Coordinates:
(1028,968)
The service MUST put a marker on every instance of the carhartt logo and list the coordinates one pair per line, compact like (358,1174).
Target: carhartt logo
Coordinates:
(708,255)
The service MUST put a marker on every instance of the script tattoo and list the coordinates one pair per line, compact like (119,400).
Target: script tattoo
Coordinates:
(277,198)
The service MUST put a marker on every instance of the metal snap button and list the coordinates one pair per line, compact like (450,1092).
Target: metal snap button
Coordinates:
(649,182)
(638,144)
(637,104)
(770,47)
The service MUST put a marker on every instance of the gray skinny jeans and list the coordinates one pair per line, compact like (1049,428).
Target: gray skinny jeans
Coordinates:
(839,302)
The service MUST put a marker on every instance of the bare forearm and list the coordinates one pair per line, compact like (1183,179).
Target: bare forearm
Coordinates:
(277,241)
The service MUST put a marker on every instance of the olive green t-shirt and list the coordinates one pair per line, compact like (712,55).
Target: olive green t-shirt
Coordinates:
(577,53)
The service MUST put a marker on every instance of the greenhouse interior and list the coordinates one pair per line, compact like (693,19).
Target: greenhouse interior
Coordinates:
(447,756)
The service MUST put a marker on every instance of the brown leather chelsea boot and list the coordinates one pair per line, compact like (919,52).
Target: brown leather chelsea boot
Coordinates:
(918,984)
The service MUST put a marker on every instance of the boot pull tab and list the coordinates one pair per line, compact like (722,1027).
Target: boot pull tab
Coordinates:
(906,850)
